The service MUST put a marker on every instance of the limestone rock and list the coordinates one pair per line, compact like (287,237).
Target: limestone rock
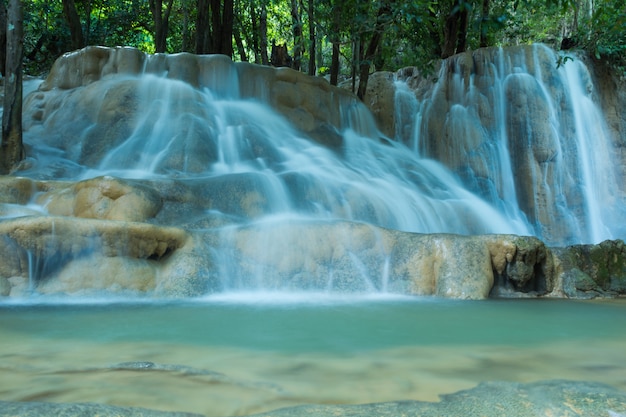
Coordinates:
(489,399)
(16,190)
(350,257)
(380,98)
(517,94)
(103,109)
(67,255)
(104,198)
(33,409)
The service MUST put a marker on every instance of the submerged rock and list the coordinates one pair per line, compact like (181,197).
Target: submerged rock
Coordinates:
(489,399)
(36,409)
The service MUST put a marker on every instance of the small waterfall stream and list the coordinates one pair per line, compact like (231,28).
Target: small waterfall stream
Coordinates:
(524,134)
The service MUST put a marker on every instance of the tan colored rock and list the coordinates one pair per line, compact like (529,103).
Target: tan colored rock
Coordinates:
(311,103)
(80,256)
(380,99)
(357,257)
(17,190)
(51,236)
(104,198)
(95,273)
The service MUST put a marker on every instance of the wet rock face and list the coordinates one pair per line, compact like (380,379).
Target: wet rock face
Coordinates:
(105,198)
(108,234)
(304,100)
(96,238)
(518,98)
(589,271)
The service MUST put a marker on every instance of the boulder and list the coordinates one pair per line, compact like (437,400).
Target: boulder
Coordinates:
(77,256)
(587,271)
(104,198)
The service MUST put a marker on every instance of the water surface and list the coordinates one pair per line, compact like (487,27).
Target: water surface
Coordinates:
(239,354)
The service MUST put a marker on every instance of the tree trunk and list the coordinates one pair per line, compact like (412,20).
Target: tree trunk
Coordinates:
(226,34)
(455,30)
(297,35)
(11,149)
(222,18)
(312,45)
(484,39)
(161,23)
(239,42)
(186,41)
(265,59)
(87,4)
(461,40)
(73,21)
(450,35)
(255,32)
(203,29)
(334,64)
(384,12)
(3,37)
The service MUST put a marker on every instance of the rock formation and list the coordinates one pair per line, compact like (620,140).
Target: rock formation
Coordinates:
(184,231)
(509,123)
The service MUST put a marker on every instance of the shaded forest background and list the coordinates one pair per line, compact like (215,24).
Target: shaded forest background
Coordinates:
(338,38)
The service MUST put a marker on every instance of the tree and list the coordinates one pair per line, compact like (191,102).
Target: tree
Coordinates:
(214,27)
(455,29)
(223,20)
(312,37)
(383,18)
(3,37)
(263,44)
(297,34)
(11,149)
(335,40)
(203,31)
(161,19)
(73,21)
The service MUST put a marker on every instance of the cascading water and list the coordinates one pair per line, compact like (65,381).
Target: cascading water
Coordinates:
(279,205)
(526,135)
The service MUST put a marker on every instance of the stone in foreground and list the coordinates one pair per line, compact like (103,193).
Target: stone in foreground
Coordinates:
(489,399)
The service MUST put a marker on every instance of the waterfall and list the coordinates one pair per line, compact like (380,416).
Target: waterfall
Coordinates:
(524,134)
(283,182)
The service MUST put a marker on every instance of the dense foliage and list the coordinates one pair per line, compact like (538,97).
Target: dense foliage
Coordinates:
(346,37)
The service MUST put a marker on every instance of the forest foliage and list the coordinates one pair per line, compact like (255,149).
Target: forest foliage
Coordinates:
(339,38)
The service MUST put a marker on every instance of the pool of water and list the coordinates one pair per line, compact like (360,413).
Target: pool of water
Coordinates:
(241,354)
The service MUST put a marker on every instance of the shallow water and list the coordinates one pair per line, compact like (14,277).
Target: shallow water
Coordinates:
(235,355)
